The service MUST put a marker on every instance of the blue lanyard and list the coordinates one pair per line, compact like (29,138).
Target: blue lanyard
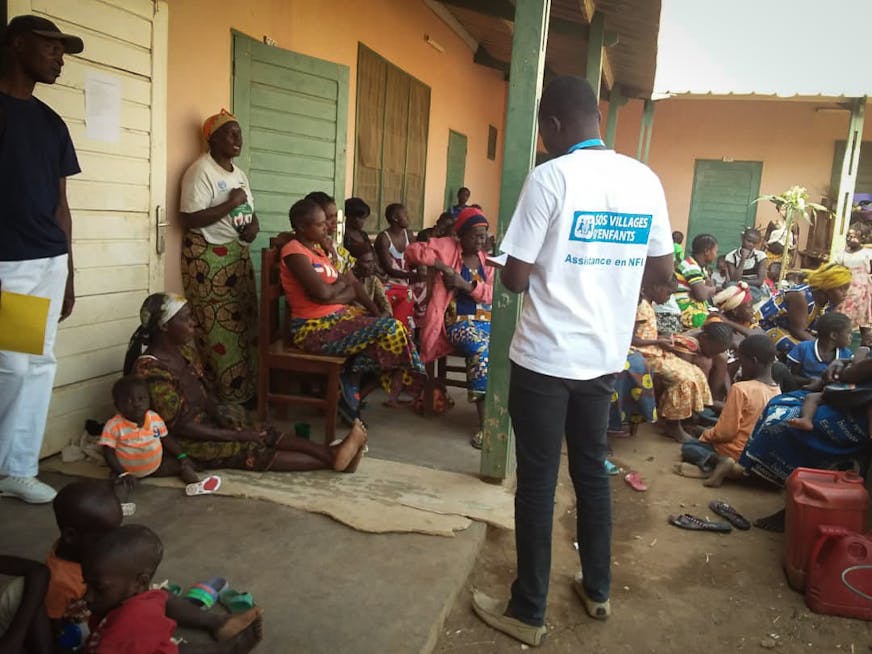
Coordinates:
(589,143)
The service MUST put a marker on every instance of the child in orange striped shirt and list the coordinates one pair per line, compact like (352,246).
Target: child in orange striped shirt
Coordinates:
(135,443)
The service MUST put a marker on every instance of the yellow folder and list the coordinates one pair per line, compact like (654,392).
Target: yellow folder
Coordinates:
(22,322)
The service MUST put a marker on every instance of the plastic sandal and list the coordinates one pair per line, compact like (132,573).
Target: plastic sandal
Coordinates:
(205,594)
(477,440)
(235,601)
(611,468)
(634,480)
(687,521)
(726,511)
(205,486)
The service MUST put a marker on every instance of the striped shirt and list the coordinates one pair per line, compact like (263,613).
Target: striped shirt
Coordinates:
(138,449)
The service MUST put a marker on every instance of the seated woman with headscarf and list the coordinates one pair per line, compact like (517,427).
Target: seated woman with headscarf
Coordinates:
(840,438)
(458,314)
(324,319)
(789,316)
(214,435)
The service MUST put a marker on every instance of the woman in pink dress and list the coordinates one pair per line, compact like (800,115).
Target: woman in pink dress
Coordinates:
(858,303)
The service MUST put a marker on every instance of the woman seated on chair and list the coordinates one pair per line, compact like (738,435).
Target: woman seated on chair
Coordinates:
(213,435)
(458,315)
(324,319)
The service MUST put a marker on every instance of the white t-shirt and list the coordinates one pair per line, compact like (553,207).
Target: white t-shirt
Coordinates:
(749,271)
(207,184)
(587,221)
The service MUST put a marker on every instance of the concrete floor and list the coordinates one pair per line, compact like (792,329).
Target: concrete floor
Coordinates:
(324,587)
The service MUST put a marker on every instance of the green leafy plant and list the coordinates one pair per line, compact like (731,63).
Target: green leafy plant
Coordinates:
(792,204)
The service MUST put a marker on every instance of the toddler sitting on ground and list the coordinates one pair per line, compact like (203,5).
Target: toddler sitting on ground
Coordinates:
(128,617)
(719,447)
(135,444)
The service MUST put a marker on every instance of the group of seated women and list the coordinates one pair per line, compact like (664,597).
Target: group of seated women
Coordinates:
(731,364)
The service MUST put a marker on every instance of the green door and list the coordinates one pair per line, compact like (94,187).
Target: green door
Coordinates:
(722,203)
(456,167)
(293,113)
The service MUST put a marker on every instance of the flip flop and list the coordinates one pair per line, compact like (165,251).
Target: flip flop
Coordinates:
(726,511)
(687,521)
(635,481)
(235,601)
(611,468)
(205,486)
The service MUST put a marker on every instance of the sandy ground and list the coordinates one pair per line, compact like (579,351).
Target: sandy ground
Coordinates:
(672,590)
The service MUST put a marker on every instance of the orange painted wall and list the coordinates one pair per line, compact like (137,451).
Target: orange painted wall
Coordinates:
(795,143)
(464,97)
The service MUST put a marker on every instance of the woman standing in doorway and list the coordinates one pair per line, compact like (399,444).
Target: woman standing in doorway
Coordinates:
(217,210)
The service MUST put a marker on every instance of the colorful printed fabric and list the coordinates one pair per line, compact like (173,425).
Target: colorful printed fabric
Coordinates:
(471,339)
(138,449)
(840,440)
(219,284)
(858,303)
(773,317)
(633,400)
(375,345)
(686,390)
(181,399)
(693,312)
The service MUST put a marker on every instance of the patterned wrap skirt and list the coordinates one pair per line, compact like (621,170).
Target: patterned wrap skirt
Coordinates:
(219,285)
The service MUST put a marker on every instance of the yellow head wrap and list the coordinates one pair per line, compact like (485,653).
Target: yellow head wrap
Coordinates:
(829,276)
(213,123)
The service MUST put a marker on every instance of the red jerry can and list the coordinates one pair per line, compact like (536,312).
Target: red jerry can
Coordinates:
(815,498)
(839,580)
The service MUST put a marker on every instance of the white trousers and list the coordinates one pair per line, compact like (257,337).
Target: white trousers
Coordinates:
(26,379)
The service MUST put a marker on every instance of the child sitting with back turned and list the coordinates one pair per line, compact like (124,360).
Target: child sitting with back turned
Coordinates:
(809,359)
(719,447)
(128,617)
(365,270)
(135,443)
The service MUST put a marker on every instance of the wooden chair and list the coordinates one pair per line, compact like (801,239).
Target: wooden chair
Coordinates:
(275,353)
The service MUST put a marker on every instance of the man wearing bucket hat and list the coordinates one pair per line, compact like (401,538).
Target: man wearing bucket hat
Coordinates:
(36,157)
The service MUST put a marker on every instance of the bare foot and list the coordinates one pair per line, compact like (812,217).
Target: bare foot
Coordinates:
(805,424)
(249,638)
(774,522)
(725,465)
(188,475)
(344,452)
(686,469)
(675,431)
(235,624)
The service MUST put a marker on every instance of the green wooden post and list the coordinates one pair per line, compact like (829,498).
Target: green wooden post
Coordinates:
(595,44)
(519,151)
(848,178)
(616,101)
(645,129)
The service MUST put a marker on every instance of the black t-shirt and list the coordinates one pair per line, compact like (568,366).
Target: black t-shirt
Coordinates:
(35,153)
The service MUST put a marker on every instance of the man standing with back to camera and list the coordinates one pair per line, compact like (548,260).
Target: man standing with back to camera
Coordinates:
(36,157)
(589,225)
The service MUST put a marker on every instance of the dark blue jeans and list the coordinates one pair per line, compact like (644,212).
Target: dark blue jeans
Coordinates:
(700,454)
(544,411)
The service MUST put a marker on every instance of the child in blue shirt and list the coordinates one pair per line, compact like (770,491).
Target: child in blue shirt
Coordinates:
(809,359)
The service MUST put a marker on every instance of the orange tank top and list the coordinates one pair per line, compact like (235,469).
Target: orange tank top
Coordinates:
(302,306)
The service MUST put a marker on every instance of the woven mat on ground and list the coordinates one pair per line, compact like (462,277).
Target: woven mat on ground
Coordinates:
(381,497)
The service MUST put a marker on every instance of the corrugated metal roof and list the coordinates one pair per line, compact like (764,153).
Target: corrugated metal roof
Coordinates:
(756,48)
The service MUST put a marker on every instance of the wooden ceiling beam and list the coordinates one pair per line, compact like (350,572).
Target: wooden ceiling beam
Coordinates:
(505,10)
